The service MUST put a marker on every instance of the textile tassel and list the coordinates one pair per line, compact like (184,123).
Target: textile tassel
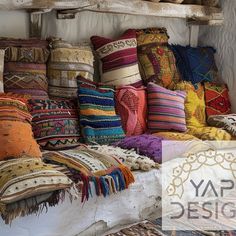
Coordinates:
(129,178)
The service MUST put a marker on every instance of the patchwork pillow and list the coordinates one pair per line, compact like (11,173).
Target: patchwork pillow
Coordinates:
(65,64)
(165,109)
(131,105)
(98,120)
(195,64)
(16,135)
(2,52)
(26,178)
(145,144)
(119,59)
(194,104)
(217,99)
(55,123)
(226,122)
(156,60)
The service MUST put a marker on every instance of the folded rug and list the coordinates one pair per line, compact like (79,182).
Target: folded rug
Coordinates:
(87,166)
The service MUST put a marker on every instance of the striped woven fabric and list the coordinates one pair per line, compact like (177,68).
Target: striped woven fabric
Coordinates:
(165,109)
(55,123)
(119,59)
(98,119)
(105,172)
(1,70)
(65,64)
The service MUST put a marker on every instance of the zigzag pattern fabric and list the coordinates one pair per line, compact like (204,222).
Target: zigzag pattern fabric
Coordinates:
(98,119)
(55,123)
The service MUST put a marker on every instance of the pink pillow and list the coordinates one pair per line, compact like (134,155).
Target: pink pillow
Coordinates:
(119,59)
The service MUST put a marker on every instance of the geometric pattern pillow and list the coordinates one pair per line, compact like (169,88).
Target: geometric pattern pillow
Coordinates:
(217,99)
(227,122)
(156,60)
(194,104)
(55,123)
(119,59)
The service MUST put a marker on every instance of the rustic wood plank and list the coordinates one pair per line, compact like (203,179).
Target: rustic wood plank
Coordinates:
(194,31)
(35,25)
(133,7)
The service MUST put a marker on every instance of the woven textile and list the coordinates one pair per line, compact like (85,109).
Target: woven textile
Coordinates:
(145,144)
(119,59)
(226,122)
(217,99)
(55,123)
(26,178)
(66,63)
(156,60)
(195,64)
(1,70)
(130,158)
(175,136)
(106,173)
(131,105)
(194,104)
(98,120)
(16,137)
(165,109)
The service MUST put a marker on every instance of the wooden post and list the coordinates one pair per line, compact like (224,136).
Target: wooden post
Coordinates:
(193,36)
(35,25)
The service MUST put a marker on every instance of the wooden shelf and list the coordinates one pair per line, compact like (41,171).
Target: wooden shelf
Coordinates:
(67,8)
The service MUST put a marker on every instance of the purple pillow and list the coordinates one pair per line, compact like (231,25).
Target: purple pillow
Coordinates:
(145,144)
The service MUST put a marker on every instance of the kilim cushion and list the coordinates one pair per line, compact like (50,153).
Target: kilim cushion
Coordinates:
(16,137)
(194,104)
(131,105)
(119,59)
(25,178)
(55,123)
(165,109)
(98,119)
(1,70)
(156,60)
(65,64)
(195,64)
(217,99)
(227,122)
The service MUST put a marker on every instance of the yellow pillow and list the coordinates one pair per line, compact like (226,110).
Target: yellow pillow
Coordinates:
(175,136)
(194,104)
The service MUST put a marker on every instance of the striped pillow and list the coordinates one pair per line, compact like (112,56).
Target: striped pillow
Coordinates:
(165,109)
(98,120)
(119,59)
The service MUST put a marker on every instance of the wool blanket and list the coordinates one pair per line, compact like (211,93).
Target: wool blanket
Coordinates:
(87,167)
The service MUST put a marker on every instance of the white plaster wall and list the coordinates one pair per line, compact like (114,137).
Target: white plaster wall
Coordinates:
(223,38)
(14,24)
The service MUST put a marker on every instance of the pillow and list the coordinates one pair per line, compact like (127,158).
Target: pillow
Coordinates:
(119,59)
(131,105)
(156,60)
(2,52)
(194,104)
(217,99)
(175,136)
(195,64)
(28,177)
(145,144)
(98,120)
(55,123)
(165,109)
(65,64)
(16,135)
(226,122)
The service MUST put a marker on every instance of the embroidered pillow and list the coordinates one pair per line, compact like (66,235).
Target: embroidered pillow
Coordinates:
(165,109)
(131,105)
(217,99)
(2,52)
(119,59)
(156,60)
(98,120)
(195,64)
(65,64)
(55,123)
(16,137)
(194,104)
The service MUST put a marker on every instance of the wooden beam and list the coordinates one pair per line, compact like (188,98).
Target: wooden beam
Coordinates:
(35,25)
(193,37)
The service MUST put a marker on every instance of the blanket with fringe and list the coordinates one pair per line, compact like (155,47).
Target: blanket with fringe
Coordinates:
(88,167)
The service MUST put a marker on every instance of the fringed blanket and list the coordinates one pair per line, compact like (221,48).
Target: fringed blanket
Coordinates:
(89,167)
